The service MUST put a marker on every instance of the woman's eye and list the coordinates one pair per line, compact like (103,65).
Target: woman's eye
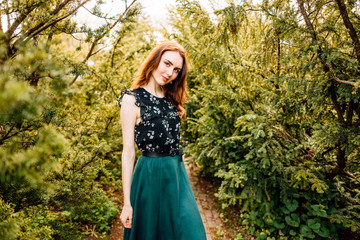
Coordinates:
(177,70)
(167,64)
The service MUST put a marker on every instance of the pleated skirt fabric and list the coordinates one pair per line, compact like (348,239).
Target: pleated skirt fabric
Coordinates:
(164,206)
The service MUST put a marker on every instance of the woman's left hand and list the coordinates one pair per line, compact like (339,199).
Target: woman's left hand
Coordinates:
(126,216)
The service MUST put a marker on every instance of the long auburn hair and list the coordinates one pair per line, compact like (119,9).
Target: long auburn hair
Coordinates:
(176,91)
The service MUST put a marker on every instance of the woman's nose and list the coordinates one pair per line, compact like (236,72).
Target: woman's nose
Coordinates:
(170,71)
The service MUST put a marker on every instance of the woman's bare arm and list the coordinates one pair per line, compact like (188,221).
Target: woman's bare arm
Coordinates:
(128,115)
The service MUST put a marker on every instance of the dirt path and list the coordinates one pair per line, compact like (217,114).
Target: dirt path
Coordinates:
(117,229)
(204,194)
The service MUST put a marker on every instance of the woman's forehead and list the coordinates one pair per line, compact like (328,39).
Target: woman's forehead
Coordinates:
(174,57)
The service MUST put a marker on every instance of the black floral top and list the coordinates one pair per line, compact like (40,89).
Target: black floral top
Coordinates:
(159,128)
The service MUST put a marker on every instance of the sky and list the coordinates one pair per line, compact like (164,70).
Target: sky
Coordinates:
(157,10)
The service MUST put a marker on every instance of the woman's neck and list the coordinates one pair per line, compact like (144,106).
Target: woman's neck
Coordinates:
(154,88)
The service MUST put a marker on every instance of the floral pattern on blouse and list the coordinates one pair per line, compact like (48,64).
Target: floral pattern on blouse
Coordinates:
(159,127)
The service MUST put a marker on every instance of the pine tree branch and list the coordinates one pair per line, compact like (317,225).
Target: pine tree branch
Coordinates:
(14,134)
(107,82)
(97,39)
(114,49)
(60,6)
(311,28)
(344,81)
(350,27)
(69,33)
(109,122)
(7,134)
(23,16)
(336,104)
(328,33)
(96,15)
(327,151)
(325,66)
(307,19)
(319,9)
(41,27)
(351,176)
(19,20)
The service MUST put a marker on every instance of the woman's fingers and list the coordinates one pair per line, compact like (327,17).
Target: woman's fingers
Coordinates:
(126,221)
(126,216)
(128,225)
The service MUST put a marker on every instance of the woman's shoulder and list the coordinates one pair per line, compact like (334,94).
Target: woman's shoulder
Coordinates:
(131,91)
(130,95)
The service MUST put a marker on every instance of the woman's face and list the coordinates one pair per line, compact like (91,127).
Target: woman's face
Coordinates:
(169,67)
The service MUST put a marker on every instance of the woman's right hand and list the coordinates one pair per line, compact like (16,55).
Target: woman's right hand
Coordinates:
(126,216)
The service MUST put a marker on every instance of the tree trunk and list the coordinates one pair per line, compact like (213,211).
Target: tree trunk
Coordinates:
(350,27)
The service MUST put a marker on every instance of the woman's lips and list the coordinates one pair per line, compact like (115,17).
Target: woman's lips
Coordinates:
(164,78)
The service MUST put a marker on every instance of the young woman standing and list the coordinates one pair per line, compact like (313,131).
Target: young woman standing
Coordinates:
(158,200)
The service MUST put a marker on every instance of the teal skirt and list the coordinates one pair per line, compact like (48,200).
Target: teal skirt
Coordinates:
(164,206)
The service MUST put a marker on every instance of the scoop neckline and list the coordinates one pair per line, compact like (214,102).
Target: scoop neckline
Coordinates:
(152,94)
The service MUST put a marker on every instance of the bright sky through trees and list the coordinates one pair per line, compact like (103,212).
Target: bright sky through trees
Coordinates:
(156,10)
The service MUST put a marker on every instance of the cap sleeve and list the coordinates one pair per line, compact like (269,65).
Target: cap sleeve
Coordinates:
(129,92)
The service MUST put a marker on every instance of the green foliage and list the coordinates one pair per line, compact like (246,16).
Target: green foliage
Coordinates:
(8,227)
(273,113)
(35,223)
(81,203)
(59,130)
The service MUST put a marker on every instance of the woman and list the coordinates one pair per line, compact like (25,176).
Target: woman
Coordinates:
(158,199)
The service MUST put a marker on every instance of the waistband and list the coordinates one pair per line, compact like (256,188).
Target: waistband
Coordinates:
(172,152)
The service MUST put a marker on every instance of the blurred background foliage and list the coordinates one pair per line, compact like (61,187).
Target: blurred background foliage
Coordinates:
(273,113)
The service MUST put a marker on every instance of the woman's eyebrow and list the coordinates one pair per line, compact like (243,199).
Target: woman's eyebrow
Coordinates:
(171,63)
